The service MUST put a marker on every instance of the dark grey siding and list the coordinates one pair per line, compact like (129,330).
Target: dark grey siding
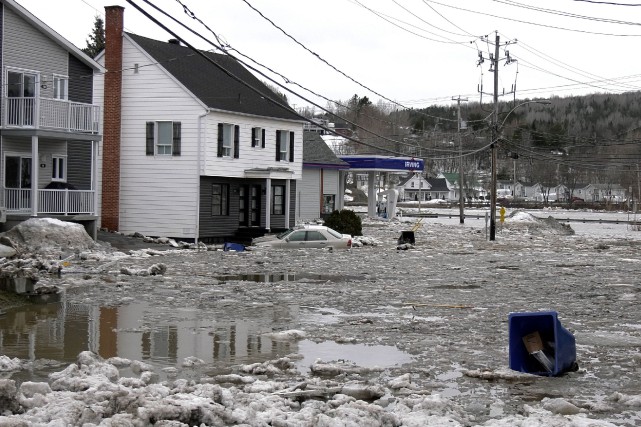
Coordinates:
(80,81)
(222,227)
(278,221)
(218,226)
(292,204)
(79,164)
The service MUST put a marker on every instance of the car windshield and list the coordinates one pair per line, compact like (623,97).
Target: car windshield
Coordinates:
(335,233)
(284,234)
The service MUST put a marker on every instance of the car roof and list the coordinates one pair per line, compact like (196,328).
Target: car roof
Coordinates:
(308,226)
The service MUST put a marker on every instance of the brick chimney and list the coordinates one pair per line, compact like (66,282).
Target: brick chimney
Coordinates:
(112,118)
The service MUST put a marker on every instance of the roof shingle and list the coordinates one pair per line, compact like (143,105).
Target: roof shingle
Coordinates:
(212,85)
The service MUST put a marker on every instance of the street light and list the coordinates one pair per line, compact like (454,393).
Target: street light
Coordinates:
(496,132)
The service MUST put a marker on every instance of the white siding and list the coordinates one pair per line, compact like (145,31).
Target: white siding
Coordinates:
(158,194)
(308,195)
(330,181)
(251,157)
(98,99)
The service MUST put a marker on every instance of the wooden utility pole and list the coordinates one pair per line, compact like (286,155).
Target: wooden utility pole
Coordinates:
(460,151)
(495,134)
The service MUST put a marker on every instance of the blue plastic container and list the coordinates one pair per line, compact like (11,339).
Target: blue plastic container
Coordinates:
(560,345)
(233,247)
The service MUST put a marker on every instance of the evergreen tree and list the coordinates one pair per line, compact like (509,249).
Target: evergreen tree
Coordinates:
(96,40)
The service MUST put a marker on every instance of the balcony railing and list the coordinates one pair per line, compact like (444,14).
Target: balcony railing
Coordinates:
(61,202)
(46,113)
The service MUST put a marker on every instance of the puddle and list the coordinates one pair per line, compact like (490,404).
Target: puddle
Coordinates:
(50,336)
(366,356)
(288,277)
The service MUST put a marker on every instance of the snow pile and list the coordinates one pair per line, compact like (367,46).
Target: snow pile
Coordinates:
(46,235)
(154,270)
(520,216)
(9,364)
(92,392)
(360,241)
(523,222)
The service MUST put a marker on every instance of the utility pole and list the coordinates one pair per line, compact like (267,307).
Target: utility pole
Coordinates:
(460,171)
(496,131)
(495,134)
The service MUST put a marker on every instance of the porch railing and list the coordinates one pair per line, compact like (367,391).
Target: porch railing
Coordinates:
(61,202)
(55,114)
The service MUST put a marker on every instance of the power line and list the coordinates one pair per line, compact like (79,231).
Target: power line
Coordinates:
(533,23)
(259,92)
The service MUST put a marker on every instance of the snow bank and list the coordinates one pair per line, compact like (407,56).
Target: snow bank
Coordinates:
(93,392)
(44,235)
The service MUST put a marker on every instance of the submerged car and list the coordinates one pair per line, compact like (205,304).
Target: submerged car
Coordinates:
(313,236)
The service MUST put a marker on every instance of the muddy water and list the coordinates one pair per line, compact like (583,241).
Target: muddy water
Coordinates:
(50,336)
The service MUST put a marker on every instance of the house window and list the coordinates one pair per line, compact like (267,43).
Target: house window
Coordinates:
(163,138)
(220,200)
(21,94)
(412,185)
(258,137)
(17,172)
(60,87)
(58,169)
(284,146)
(278,200)
(228,140)
(329,203)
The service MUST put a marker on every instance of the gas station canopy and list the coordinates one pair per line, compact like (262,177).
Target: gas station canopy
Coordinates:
(372,163)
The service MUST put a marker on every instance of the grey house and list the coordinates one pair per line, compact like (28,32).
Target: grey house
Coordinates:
(49,125)
(322,187)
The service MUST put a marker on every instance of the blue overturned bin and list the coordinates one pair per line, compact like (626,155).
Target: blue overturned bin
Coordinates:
(559,346)
(233,247)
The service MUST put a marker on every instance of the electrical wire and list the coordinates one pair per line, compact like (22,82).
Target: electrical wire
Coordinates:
(244,83)
(193,16)
(533,23)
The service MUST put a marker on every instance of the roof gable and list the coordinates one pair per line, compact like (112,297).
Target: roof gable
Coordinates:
(50,33)
(211,85)
(438,184)
(316,151)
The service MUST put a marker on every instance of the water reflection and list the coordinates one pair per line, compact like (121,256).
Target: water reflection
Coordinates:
(60,331)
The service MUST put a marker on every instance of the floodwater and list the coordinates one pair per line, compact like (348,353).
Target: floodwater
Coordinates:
(52,335)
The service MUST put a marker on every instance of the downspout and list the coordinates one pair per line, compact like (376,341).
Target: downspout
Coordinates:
(198,169)
(322,190)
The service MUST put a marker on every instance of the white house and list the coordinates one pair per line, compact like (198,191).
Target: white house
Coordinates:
(414,188)
(189,151)
(609,193)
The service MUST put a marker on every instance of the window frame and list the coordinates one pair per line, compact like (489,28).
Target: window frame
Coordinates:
(151,138)
(60,82)
(258,137)
(329,199)
(278,200)
(157,138)
(228,143)
(220,199)
(284,146)
(58,168)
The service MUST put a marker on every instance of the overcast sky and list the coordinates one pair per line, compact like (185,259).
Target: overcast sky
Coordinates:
(413,52)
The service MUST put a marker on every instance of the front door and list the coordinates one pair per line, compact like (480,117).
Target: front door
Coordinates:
(249,205)
(17,182)
(21,94)
(254,205)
